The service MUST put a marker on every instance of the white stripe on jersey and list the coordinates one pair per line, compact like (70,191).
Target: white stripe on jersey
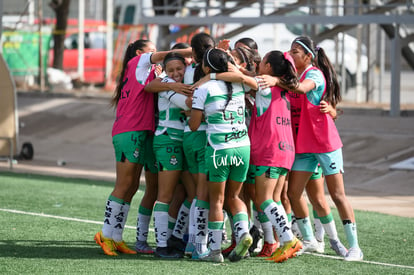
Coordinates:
(222,123)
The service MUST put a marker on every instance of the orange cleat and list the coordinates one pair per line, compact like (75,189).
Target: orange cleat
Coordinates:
(123,248)
(107,244)
(288,250)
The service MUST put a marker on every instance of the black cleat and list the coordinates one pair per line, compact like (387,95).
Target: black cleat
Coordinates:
(176,243)
(257,236)
(167,253)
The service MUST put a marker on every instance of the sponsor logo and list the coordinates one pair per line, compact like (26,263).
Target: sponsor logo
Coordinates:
(124,94)
(226,160)
(235,135)
(285,146)
(284,121)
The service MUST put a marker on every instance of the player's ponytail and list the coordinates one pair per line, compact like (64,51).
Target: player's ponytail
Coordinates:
(333,93)
(200,43)
(130,53)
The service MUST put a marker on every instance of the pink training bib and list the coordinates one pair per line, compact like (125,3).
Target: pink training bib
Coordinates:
(271,133)
(317,131)
(135,110)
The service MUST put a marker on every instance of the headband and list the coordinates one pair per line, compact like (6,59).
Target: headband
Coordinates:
(242,54)
(208,59)
(306,47)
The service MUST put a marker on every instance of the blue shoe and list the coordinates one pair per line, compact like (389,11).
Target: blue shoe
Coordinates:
(338,247)
(189,249)
(143,247)
(195,256)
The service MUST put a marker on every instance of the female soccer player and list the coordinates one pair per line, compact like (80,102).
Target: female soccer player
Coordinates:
(131,135)
(168,148)
(272,150)
(194,148)
(147,203)
(318,141)
(227,154)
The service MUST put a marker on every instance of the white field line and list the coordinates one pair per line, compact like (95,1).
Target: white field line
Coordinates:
(367,262)
(132,227)
(57,217)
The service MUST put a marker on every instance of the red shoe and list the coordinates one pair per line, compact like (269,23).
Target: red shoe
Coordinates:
(268,249)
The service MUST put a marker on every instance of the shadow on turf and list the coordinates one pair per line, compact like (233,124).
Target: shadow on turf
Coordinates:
(32,249)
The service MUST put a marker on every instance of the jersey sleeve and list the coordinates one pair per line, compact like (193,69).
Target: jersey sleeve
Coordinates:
(143,67)
(178,99)
(199,98)
(172,96)
(315,96)
(145,60)
(166,79)
(264,91)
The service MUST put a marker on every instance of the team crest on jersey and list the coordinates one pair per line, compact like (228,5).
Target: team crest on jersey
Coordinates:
(136,153)
(173,160)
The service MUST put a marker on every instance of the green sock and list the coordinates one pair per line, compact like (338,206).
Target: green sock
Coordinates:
(305,228)
(351,234)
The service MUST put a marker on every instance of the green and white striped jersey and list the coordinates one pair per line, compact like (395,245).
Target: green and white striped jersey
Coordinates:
(226,125)
(171,118)
(188,79)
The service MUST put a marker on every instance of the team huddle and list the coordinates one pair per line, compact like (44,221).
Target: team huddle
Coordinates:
(222,132)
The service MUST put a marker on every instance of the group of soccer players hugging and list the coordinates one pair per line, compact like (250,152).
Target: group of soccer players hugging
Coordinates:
(225,136)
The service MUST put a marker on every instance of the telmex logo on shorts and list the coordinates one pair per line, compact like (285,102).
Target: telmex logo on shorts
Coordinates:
(226,160)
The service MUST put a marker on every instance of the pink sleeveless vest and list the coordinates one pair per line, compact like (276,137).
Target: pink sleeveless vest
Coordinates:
(317,132)
(135,110)
(295,107)
(271,133)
